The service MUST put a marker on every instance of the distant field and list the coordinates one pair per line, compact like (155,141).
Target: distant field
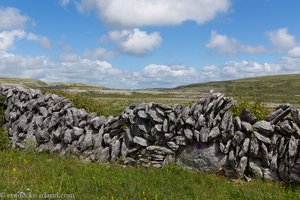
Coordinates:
(271,90)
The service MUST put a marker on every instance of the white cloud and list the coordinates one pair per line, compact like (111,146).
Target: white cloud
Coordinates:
(281,39)
(43,40)
(135,41)
(230,46)
(99,54)
(64,2)
(294,52)
(132,13)
(11,19)
(7,38)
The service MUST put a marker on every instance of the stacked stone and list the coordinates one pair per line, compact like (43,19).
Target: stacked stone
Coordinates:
(203,137)
(151,137)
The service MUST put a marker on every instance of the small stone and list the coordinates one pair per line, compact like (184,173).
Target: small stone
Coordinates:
(238,138)
(140,141)
(247,127)
(204,134)
(247,116)
(242,166)
(254,148)
(226,121)
(245,147)
(262,138)
(273,115)
(238,123)
(68,136)
(214,133)
(142,114)
(173,145)
(188,134)
(190,121)
(264,128)
(159,149)
(102,155)
(296,115)
(255,169)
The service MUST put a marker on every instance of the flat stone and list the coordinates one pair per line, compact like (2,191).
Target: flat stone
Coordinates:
(97,122)
(247,127)
(245,147)
(159,149)
(226,121)
(285,128)
(296,115)
(238,138)
(273,115)
(202,157)
(188,134)
(214,133)
(262,138)
(140,141)
(242,166)
(247,116)
(142,114)
(264,155)
(264,128)
(173,145)
(255,169)
(204,134)
(238,123)
(155,116)
(254,147)
(190,121)
(68,136)
(102,155)
(115,149)
(281,116)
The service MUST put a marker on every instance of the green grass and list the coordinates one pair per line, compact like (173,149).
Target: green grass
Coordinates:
(114,104)
(275,89)
(44,173)
(25,82)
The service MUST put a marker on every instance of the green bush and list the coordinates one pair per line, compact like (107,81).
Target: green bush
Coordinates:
(254,105)
(4,140)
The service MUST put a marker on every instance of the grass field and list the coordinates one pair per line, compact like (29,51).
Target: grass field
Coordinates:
(38,173)
(43,173)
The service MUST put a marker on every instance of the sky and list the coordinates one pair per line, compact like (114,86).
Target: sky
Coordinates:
(148,43)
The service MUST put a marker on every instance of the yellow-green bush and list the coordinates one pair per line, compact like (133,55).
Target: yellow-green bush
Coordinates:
(254,105)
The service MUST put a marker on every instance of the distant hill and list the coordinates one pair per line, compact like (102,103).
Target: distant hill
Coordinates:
(275,89)
(25,82)
(32,83)
(279,88)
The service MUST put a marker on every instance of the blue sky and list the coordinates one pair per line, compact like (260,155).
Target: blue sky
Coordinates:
(148,43)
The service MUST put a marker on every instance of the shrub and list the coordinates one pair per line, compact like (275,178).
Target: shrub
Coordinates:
(256,107)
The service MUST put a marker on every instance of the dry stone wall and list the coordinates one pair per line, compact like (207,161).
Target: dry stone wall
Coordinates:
(203,137)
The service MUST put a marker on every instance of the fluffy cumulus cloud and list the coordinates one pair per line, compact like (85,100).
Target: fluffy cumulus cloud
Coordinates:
(281,39)
(99,54)
(132,13)
(135,41)
(43,40)
(7,38)
(13,26)
(230,46)
(294,52)
(11,19)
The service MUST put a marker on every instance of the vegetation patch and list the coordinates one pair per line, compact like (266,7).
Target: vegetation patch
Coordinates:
(43,173)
